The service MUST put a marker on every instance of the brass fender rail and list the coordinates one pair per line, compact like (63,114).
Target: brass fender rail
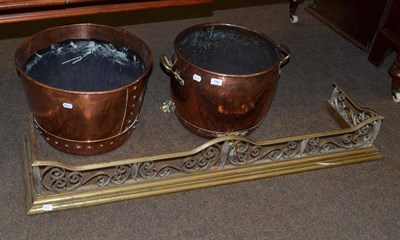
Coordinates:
(51,185)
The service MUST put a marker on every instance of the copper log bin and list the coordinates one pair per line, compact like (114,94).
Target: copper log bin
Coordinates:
(84,122)
(212,96)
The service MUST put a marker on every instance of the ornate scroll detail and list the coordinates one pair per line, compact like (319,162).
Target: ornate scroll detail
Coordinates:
(59,179)
(244,152)
(360,138)
(218,154)
(347,110)
(202,161)
(355,116)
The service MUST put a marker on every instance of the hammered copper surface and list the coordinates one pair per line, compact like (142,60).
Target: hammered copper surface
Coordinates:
(97,122)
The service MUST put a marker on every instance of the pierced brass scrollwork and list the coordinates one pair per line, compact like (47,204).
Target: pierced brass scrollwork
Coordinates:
(219,161)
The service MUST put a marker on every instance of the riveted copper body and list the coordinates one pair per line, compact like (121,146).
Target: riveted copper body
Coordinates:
(99,121)
(213,103)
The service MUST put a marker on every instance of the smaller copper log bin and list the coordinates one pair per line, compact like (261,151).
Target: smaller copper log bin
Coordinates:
(51,185)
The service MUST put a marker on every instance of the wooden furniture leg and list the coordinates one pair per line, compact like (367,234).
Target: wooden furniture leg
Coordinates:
(394,72)
(293,4)
(314,5)
(381,48)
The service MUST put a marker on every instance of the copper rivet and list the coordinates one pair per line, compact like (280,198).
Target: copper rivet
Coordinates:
(89,147)
(134,97)
(47,138)
(66,145)
(111,143)
(78,146)
(134,88)
(56,142)
(101,145)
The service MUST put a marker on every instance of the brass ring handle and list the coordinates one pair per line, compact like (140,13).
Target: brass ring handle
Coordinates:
(167,64)
(286,53)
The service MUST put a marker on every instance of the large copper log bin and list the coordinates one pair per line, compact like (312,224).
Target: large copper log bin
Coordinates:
(84,122)
(223,78)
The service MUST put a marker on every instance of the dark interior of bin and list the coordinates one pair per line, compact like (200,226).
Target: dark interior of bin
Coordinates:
(85,65)
(227,49)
